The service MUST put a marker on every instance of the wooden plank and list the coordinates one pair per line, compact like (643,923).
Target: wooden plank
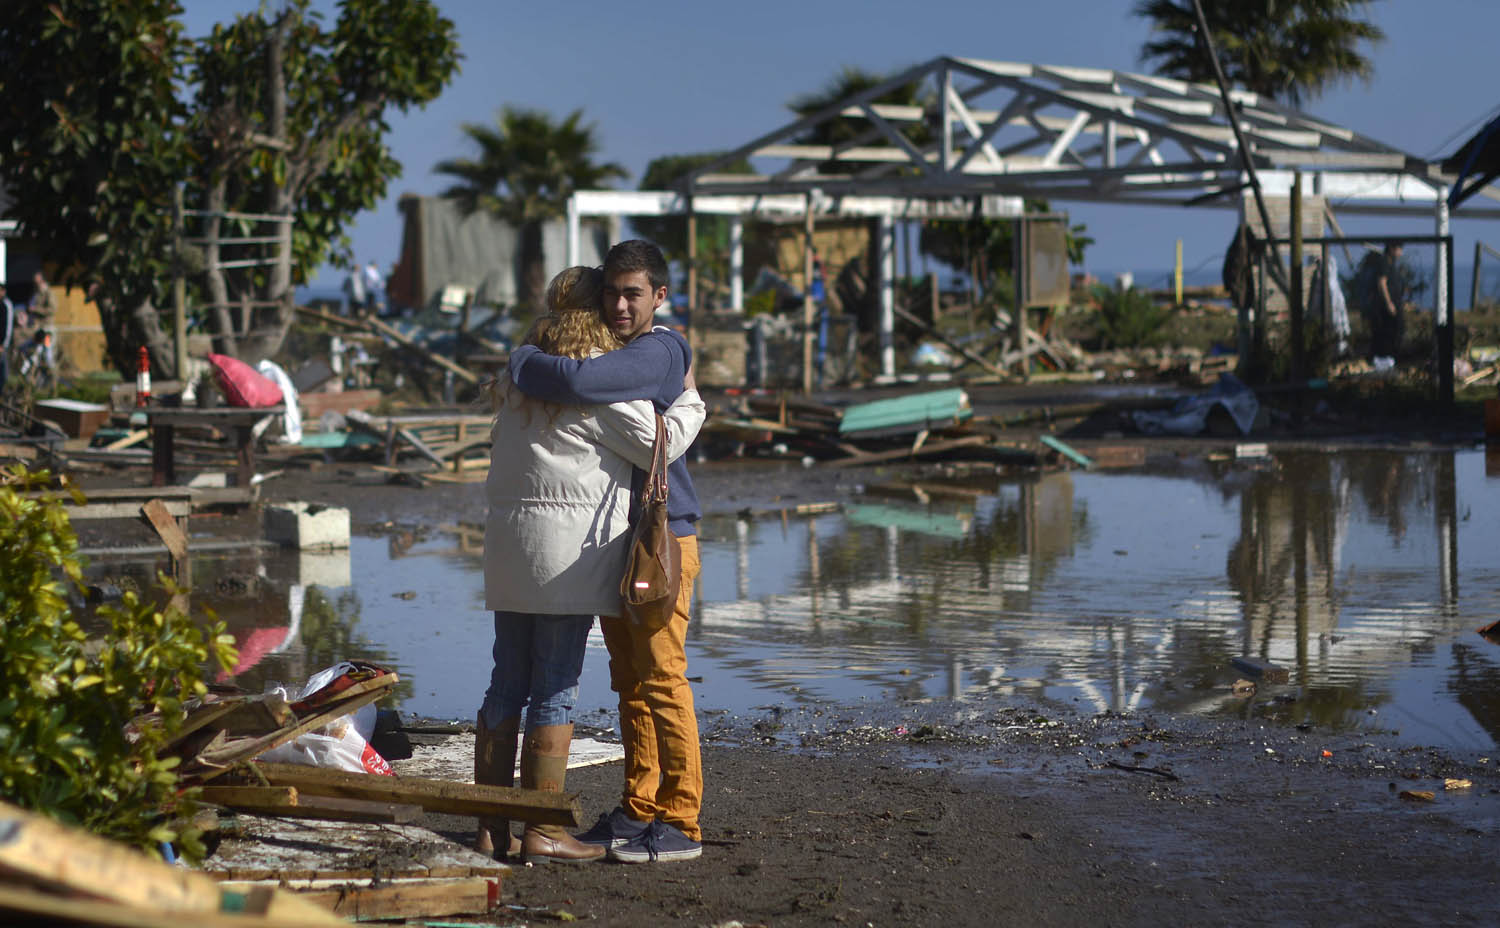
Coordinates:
(53,855)
(134,438)
(285,801)
(1067,451)
(167,529)
(123,510)
(306,850)
(928,450)
(408,899)
(528,805)
(250,797)
(64,910)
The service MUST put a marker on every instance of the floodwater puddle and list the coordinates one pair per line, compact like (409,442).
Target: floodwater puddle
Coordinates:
(1363,574)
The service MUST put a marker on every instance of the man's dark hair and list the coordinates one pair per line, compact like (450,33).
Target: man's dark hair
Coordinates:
(637,255)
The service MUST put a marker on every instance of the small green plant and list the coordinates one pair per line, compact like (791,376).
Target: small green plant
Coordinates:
(1128,318)
(68,747)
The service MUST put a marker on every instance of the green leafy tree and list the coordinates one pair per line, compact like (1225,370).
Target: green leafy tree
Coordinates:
(527,167)
(105,107)
(1288,50)
(71,743)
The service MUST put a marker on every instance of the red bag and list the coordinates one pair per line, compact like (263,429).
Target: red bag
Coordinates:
(242,384)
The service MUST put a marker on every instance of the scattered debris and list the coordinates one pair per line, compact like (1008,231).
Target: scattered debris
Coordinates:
(1260,669)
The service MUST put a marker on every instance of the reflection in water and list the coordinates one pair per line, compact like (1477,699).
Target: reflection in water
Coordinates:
(1363,574)
(1106,589)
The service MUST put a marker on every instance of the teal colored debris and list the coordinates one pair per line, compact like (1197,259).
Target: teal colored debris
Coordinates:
(924,410)
(1057,444)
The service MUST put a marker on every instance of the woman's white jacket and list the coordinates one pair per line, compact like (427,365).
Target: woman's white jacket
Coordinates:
(559,497)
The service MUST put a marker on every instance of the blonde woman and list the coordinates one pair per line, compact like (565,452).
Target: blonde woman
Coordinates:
(554,551)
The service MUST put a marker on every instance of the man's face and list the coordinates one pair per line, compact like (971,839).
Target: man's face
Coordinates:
(630,303)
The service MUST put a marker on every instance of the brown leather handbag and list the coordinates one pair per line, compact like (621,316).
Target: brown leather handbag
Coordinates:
(653,566)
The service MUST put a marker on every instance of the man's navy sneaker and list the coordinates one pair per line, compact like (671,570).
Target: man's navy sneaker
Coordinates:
(613,830)
(657,842)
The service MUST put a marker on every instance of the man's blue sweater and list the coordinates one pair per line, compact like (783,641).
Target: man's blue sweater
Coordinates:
(649,368)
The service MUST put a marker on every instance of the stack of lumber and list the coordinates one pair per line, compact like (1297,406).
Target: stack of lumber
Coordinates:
(458,443)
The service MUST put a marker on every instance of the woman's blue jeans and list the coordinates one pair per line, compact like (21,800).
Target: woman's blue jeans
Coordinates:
(538,659)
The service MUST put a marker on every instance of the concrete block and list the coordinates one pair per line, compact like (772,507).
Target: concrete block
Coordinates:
(307,525)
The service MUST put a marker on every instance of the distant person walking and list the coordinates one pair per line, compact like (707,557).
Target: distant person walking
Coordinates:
(354,292)
(374,289)
(1384,296)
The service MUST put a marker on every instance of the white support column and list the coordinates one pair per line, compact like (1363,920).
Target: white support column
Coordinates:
(886,246)
(1109,143)
(737,263)
(1440,308)
(575,233)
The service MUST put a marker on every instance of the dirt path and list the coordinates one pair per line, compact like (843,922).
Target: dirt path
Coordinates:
(978,813)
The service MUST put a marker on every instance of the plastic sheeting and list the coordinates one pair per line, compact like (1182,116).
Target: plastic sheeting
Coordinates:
(1189,415)
(291,422)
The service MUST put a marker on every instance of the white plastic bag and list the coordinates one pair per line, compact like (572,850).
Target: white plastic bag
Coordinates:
(342,744)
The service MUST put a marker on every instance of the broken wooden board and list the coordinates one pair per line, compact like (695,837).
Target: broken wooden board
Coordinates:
(54,855)
(287,802)
(527,805)
(266,848)
(928,450)
(51,909)
(401,898)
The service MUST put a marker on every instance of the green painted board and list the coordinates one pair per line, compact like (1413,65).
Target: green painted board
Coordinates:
(337,439)
(922,410)
(1062,448)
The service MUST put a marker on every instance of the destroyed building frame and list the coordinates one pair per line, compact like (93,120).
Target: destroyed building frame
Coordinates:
(1003,131)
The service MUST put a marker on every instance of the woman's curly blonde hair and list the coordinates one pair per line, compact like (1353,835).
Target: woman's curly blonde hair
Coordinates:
(574,326)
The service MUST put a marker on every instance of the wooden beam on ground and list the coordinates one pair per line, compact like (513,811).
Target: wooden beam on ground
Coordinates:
(56,856)
(134,438)
(408,898)
(55,909)
(368,423)
(528,805)
(928,450)
(286,802)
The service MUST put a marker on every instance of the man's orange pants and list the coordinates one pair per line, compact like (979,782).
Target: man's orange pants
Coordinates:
(663,771)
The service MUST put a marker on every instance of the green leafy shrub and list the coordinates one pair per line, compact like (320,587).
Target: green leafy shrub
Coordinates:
(1128,318)
(68,747)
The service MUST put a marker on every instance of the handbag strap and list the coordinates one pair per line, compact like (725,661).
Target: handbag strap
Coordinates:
(655,489)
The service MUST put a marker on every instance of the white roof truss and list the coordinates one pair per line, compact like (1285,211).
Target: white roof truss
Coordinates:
(1067,133)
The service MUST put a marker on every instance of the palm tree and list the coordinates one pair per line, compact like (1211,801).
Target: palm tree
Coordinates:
(1288,50)
(528,166)
(848,81)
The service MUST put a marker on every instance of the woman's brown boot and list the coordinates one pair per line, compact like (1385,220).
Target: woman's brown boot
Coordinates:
(544,766)
(495,765)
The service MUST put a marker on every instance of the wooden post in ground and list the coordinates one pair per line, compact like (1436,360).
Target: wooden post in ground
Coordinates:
(179,290)
(1299,348)
(692,263)
(1018,274)
(808,309)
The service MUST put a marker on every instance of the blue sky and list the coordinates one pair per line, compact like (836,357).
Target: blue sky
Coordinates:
(673,76)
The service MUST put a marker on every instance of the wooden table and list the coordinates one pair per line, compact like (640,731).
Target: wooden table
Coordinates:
(238,420)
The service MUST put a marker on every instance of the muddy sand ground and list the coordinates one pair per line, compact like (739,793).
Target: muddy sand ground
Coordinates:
(992,812)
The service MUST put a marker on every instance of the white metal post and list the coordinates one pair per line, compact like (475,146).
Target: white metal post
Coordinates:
(737,263)
(1440,310)
(887,262)
(575,233)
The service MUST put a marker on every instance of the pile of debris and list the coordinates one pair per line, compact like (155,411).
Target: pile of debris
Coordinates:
(293,844)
